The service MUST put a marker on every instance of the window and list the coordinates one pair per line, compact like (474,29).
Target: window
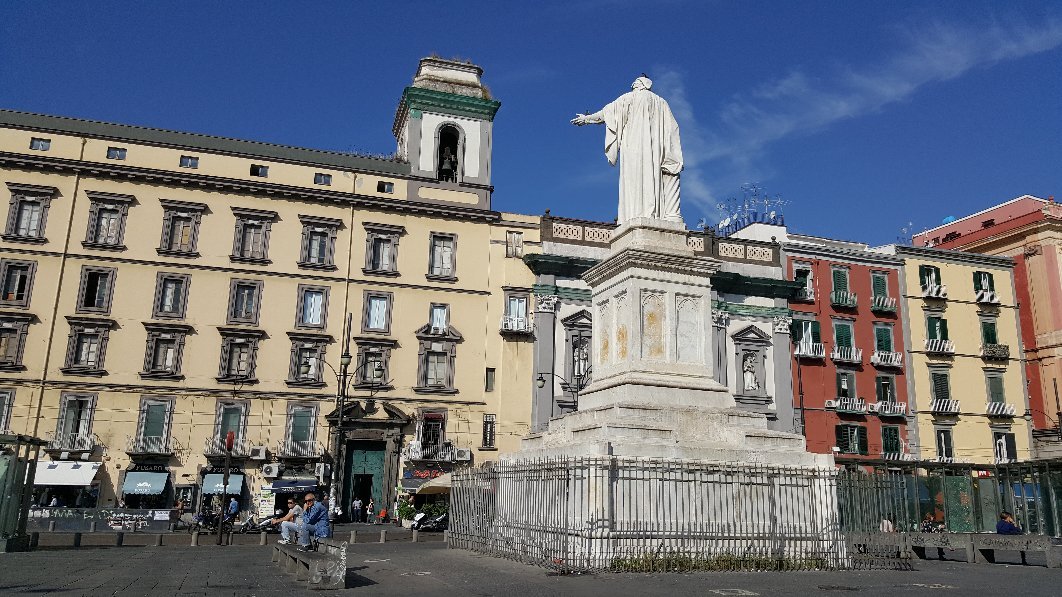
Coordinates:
(940,385)
(928,276)
(171,295)
(988,332)
(842,333)
(448,165)
(116,153)
(983,281)
(13,330)
(322,179)
(514,244)
(381,249)
(436,360)
(300,432)
(106,222)
(260,171)
(802,276)
(489,422)
(318,242)
(377,315)
(936,327)
(38,144)
(840,280)
(1004,446)
(879,284)
(890,440)
(805,332)
(945,448)
(180,228)
(250,242)
(306,349)
(436,368)
(431,431)
(97,287)
(154,421)
(441,260)
(385,187)
(189,161)
(27,213)
(994,384)
(439,318)
(846,387)
(165,347)
(883,338)
(86,346)
(74,428)
(372,363)
(884,388)
(16,282)
(239,348)
(488,381)
(231,416)
(245,297)
(852,439)
(7,398)
(312,306)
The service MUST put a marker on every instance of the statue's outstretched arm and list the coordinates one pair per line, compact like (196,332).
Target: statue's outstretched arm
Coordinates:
(595,118)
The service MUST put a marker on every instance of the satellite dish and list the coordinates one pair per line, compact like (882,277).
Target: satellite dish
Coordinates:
(724,223)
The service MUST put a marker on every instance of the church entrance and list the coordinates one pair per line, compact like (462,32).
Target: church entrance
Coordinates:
(365,474)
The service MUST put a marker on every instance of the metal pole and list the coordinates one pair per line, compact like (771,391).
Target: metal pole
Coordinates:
(224,491)
(800,392)
(1058,409)
(344,367)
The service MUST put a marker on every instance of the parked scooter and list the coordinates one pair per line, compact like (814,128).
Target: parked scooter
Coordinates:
(258,525)
(421,522)
(207,522)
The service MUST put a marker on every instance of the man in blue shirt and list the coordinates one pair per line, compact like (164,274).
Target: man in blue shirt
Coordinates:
(1006,526)
(314,522)
(234,509)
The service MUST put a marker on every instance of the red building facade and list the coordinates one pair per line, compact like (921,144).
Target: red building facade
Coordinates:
(849,366)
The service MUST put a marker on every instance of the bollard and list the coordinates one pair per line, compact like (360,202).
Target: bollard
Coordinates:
(383,535)
(415,535)
(353,537)
(119,539)
(229,541)
(262,538)
(195,539)
(77,539)
(92,526)
(51,526)
(446,538)
(173,526)
(35,538)
(158,540)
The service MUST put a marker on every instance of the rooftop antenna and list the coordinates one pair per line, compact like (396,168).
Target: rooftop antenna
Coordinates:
(905,234)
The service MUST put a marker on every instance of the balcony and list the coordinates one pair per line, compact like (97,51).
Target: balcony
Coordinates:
(72,442)
(517,325)
(898,456)
(844,299)
(940,346)
(889,409)
(847,354)
(291,449)
(999,409)
(806,295)
(987,297)
(944,407)
(811,350)
(417,450)
(995,352)
(215,447)
(852,406)
(886,358)
(150,446)
(883,304)
(935,291)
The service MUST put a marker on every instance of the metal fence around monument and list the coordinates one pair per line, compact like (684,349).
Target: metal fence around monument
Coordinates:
(651,515)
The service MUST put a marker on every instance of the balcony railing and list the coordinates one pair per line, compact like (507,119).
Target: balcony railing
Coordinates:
(299,449)
(806,294)
(999,460)
(847,354)
(883,304)
(944,407)
(897,456)
(848,405)
(889,409)
(149,445)
(72,442)
(987,297)
(940,346)
(215,446)
(843,298)
(811,350)
(887,358)
(935,291)
(999,409)
(416,450)
(995,351)
(517,325)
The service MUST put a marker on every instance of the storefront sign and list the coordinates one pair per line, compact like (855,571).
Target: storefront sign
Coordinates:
(415,474)
(220,470)
(148,468)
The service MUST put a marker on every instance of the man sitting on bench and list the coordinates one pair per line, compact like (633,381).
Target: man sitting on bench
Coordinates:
(314,522)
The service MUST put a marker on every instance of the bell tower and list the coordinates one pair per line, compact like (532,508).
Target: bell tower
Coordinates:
(444,123)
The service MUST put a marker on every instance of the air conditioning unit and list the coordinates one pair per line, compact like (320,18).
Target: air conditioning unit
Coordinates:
(322,470)
(271,471)
(873,408)
(832,403)
(462,454)
(259,453)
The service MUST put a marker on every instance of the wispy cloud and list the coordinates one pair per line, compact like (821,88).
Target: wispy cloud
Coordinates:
(803,102)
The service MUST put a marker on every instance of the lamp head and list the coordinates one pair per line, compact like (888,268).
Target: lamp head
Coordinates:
(345,359)
(541,381)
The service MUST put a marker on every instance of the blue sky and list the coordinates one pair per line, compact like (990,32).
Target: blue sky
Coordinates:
(864,116)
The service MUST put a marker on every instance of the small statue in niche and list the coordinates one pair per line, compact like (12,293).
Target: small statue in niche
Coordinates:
(748,367)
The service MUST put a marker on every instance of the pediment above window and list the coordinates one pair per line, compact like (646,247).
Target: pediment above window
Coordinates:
(751,334)
(449,333)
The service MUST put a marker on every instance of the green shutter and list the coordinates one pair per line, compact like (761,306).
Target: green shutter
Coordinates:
(816,332)
(1012,446)
(890,440)
(843,334)
(931,327)
(988,332)
(922,274)
(796,330)
(995,389)
(883,338)
(940,386)
(943,329)
(879,284)
(977,281)
(840,280)
(991,282)
(840,380)
(864,447)
(801,276)
(883,388)
(841,433)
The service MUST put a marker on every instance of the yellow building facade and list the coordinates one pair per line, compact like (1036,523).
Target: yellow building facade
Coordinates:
(965,371)
(161,289)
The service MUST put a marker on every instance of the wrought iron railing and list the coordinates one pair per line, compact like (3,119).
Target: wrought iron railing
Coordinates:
(938,346)
(517,325)
(848,405)
(944,407)
(883,304)
(987,297)
(72,442)
(215,446)
(289,448)
(999,409)
(149,445)
(847,354)
(806,294)
(937,291)
(887,358)
(843,298)
(416,450)
(995,351)
(889,409)
(811,350)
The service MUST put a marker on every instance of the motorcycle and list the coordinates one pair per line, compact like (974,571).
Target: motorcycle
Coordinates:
(258,525)
(207,522)
(421,522)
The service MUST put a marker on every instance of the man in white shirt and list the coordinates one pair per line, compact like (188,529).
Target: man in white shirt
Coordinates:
(290,521)
(358,510)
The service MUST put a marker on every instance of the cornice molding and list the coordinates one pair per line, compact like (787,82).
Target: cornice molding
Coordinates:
(963,257)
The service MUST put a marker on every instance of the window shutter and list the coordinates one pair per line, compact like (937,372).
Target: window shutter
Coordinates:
(995,389)
(943,329)
(931,327)
(890,440)
(843,333)
(988,332)
(863,445)
(940,386)
(816,332)
(883,339)
(977,281)
(801,276)
(880,285)
(923,274)
(1012,446)
(840,280)
(840,384)
(991,281)
(842,438)
(796,330)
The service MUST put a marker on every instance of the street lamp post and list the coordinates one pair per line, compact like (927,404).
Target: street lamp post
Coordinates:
(238,382)
(573,387)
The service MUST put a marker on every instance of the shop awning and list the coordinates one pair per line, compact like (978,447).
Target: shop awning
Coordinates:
(73,474)
(214,482)
(288,485)
(141,483)
(440,484)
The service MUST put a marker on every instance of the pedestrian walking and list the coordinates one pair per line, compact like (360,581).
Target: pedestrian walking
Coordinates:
(358,510)
(369,509)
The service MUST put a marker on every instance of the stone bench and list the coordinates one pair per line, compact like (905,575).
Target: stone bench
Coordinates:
(979,547)
(324,568)
(983,548)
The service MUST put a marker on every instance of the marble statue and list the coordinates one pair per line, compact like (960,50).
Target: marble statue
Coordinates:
(748,367)
(639,124)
